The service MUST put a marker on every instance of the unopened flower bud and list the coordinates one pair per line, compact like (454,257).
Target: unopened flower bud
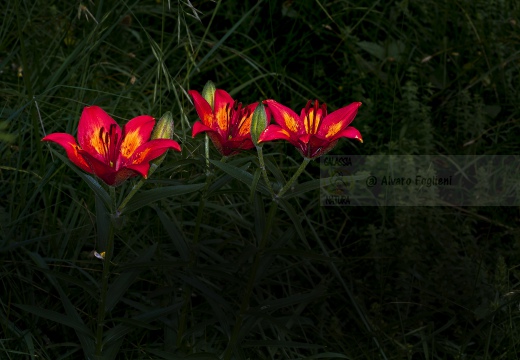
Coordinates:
(164,127)
(163,130)
(208,93)
(259,122)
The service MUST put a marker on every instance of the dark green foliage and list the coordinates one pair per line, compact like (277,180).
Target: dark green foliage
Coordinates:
(211,269)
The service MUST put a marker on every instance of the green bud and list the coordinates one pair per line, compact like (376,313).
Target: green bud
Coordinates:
(163,130)
(258,123)
(208,93)
(164,127)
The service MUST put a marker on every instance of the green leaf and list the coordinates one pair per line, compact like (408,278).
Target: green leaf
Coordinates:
(301,253)
(295,218)
(259,213)
(373,49)
(125,326)
(280,343)
(328,355)
(56,317)
(303,188)
(175,234)
(118,288)
(239,174)
(86,337)
(91,182)
(256,177)
(217,302)
(272,305)
(217,46)
(150,196)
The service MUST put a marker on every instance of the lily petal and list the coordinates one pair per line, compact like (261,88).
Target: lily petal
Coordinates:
(203,108)
(223,103)
(274,132)
(338,120)
(149,151)
(72,149)
(93,121)
(349,132)
(285,117)
(241,143)
(199,127)
(137,131)
(244,124)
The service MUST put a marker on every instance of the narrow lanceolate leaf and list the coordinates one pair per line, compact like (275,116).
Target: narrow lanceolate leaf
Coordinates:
(86,337)
(259,212)
(329,355)
(295,218)
(280,343)
(118,288)
(254,184)
(311,185)
(125,326)
(56,317)
(91,182)
(240,174)
(221,308)
(175,235)
(293,300)
(148,197)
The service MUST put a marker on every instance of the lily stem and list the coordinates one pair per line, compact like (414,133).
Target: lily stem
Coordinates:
(252,280)
(193,252)
(153,166)
(104,278)
(264,171)
(294,177)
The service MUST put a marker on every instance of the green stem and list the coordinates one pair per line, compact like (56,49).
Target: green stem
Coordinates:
(295,176)
(262,168)
(206,152)
(193,255)
(104,280)
(132,192)
(153,166)
(251,283)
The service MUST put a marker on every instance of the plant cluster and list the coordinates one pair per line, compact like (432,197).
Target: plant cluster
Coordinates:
(120,250)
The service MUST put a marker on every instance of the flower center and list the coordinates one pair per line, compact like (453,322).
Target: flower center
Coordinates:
(313,116)
(236,119)
(110,140)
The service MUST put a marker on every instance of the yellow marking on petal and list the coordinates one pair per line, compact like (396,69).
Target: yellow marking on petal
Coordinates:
(333,130)
(317,123)
(285,132)
(222,118)
(290,122)
(141,156)
(306,122)
(245,125)
(97,143)
(130,143)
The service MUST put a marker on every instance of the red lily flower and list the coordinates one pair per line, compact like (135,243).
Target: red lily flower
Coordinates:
(313,133)
(228,123)
(112,154)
